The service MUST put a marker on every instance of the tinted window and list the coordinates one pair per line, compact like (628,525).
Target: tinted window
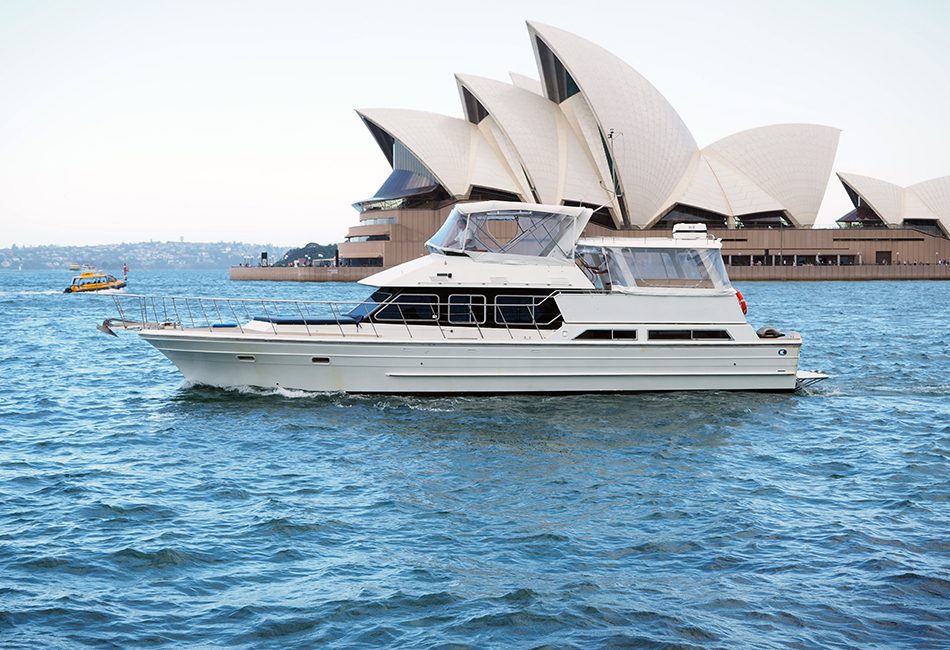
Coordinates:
(608,334)
(719,335)
(410,308)
(688,335)
(514,309)
(466,309)
(670,335)
(370,305)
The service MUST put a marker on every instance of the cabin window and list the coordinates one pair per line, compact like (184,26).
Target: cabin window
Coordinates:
(515,310)
(711,335)
(689,335)
(410,308)
(465,309)
(610,335)
(370,305)
(670,335)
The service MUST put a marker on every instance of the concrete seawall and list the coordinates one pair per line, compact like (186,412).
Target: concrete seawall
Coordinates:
(736,273)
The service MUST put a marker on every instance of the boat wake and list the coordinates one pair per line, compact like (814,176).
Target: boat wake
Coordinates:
(50,292)
(819,391)
(278,391)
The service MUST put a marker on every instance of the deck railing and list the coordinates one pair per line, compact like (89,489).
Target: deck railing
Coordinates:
(219,315)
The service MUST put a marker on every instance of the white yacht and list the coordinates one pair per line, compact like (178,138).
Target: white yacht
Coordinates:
(509,299)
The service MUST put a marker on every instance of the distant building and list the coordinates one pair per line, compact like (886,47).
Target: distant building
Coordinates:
(593,132)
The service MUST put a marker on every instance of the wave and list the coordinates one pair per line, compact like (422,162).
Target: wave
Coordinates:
(278,391)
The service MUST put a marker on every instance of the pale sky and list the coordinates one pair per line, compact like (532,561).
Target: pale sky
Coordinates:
(129,121)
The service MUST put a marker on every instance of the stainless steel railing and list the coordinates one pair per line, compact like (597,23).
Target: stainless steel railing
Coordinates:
(218,315)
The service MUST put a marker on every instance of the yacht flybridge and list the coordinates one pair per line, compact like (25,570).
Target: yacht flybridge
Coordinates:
(510,299)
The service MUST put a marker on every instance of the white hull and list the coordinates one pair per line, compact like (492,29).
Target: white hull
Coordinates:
(477,366)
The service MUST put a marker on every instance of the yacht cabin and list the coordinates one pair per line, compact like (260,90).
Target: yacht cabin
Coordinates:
(524,266)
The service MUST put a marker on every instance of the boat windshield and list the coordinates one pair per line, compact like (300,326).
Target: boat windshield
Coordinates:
(686,268)
(512,232)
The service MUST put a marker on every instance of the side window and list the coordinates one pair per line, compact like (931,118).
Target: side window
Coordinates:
(670,335)
(514,310)
(465,309)
(689,335)
(713,335)
(629,335)
(410,307)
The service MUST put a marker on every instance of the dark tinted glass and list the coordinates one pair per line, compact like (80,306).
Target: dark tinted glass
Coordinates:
(465,309)
(670,335)
(514,309)
(410,307)
(720,335)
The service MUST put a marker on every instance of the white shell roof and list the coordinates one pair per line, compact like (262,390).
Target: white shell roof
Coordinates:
(715,185)
(547,146)
(652,146)
(790,162)
(527,140)
(935,193)
(893,203)
(452,149)
(886,199)
(742,193)
(915,207)
(701,189)
(526,83)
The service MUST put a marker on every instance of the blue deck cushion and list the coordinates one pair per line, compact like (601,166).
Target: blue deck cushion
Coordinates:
(278,320)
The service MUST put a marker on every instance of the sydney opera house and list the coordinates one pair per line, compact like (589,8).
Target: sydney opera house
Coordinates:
(591,131)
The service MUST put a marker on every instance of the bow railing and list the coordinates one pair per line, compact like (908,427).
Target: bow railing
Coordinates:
(513,313)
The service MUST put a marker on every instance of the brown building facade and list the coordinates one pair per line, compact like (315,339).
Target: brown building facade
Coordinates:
(384,238)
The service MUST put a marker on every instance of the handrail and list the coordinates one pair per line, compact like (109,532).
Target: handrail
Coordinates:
(175,311)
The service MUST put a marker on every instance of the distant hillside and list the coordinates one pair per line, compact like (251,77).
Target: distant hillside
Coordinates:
(139,256)
(311,253)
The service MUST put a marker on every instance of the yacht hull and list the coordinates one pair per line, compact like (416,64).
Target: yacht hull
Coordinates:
(478,366)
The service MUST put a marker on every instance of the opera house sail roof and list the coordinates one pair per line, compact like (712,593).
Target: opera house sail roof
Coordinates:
(592,131)
(925,206)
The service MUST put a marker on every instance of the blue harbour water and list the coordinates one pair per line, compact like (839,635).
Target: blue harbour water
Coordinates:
(137,511)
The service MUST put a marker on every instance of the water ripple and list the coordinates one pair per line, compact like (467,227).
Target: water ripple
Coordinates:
(138,510)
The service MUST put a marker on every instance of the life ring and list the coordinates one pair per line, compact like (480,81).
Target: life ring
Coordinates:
(742,303)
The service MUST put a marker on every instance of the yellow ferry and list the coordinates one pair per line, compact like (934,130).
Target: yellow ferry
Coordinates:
(94,281)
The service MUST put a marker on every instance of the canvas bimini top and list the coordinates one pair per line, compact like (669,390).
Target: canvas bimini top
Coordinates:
(501,228)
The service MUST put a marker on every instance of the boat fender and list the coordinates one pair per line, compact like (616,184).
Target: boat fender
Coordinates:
(769,333)
(742,303)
